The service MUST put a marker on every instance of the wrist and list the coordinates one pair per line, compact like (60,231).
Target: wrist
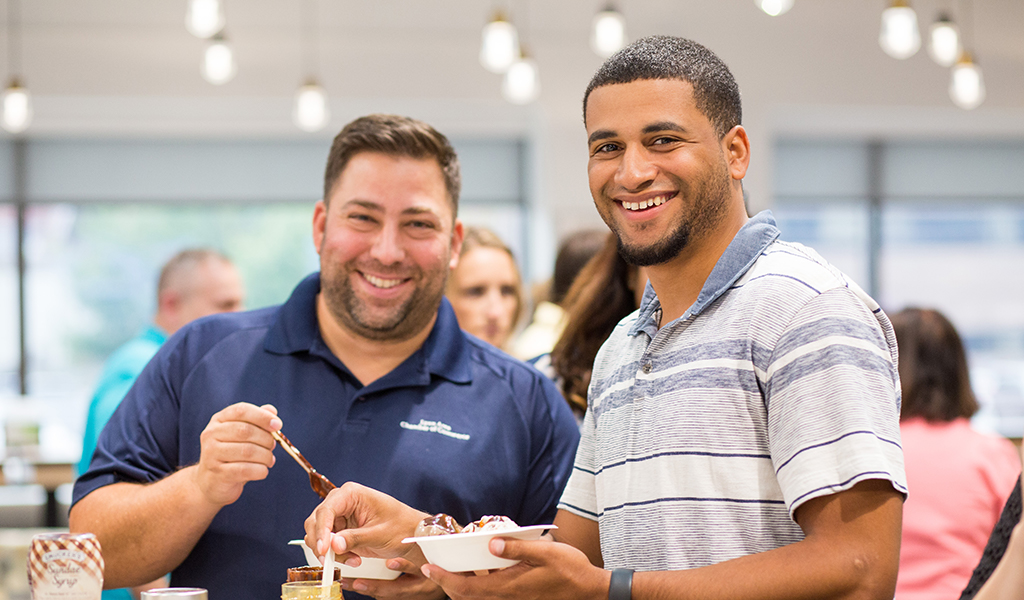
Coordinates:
(620,585)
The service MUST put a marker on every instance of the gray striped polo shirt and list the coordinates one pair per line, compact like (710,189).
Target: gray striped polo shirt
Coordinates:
(703,437)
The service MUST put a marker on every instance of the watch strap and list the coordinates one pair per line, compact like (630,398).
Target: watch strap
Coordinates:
(621,587)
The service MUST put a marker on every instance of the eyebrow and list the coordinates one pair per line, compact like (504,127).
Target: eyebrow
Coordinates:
(377,207)
(664,126)
(603,134)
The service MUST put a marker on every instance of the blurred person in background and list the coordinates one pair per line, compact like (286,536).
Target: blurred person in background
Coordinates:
(485,288)
(1000,573)
(548,317)
(606,291)
(959,478)
(194,283)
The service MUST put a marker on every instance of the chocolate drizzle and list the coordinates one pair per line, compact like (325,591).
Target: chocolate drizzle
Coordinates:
(320,484)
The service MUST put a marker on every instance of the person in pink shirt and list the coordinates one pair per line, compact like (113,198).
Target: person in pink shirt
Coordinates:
(958,478)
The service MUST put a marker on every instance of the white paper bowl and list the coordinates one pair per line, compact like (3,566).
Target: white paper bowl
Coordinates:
(372,568)
(461,552)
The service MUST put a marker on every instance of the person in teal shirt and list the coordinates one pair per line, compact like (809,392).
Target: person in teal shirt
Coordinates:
(193,283)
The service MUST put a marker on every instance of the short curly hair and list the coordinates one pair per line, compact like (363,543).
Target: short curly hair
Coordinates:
(666,57)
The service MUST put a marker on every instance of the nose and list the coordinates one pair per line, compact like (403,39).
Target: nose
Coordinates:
(387,246)
(636,170)
(494,309)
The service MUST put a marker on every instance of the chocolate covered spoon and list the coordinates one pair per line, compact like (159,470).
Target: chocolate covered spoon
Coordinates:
(320,484)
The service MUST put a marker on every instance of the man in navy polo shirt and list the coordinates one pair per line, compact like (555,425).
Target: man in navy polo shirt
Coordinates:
(364,368)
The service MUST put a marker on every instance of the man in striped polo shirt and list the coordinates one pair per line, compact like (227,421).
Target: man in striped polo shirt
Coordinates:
(742,434)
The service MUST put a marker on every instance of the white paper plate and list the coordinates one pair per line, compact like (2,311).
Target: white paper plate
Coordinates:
(461,552)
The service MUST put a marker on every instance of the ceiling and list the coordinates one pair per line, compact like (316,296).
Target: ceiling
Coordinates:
(129,66)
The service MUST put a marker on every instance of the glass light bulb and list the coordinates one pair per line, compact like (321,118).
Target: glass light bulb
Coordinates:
(944,42)
(218,63)
(608,35)
(311,113)
(17,109)
(204,18)
(521,84)
(499,47)
(774,7)
(899,36)
(966,86)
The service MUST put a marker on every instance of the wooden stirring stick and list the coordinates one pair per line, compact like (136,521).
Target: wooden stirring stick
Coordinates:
(320,484)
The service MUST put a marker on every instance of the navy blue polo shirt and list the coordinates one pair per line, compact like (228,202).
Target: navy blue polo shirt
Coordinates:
(459,427)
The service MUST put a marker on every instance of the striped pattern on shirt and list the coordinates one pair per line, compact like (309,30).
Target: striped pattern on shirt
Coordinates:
(702,438)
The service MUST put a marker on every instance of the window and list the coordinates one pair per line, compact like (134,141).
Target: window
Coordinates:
(950,236)
(9,359)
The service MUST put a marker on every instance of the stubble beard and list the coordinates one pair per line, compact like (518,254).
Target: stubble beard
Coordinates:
(400,323)
(709,196)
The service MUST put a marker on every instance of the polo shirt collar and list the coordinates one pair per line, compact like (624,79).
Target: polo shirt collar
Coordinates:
(745,248)
(445,352)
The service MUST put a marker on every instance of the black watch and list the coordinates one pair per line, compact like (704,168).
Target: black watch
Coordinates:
(621,587)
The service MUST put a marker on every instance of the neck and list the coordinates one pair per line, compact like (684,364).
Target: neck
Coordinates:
(679,281)
(367,359)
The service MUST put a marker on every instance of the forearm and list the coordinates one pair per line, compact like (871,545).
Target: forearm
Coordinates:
(145,530)
(803,570)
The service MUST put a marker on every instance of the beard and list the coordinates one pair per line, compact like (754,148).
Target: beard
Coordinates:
(394,323)
(709,196)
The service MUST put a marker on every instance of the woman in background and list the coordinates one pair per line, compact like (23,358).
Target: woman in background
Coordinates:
(485,289)
(605,291)
(959,478)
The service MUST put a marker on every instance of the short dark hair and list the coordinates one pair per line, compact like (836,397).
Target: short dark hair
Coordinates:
(666,57)
(934,378)
(395,136)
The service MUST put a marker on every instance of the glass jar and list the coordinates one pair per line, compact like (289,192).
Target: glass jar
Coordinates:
(309,590)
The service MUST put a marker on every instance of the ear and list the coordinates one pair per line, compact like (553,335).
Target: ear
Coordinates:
(736,147)
(319,224)
(458,233)
(169,302)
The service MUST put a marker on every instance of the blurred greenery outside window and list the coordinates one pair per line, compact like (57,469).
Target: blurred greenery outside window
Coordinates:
(8,300)
(91,272)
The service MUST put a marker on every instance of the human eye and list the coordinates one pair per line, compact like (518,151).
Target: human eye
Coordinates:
(664,140)
(360,219)
(508,290)
(605,148)
(476,291)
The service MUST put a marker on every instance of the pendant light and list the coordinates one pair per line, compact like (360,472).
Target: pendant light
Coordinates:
(522,82)
(204,18)
(17,107)
(310,112)
(774,7)
(15,102)
(608,34)
(944,41)
(218,61)
(499,46)
(966,86)
(899,36)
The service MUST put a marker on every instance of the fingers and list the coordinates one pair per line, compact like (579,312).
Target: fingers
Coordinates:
(406,587)
(534,551)
(453,583)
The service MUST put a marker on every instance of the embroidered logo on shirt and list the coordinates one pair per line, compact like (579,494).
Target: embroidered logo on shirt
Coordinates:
(434,427)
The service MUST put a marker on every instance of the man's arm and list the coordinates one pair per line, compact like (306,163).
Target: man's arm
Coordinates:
(850,551)
(147,530)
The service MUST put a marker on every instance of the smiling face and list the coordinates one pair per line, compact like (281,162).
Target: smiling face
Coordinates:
(387,240)
(484,292)
(659,174)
